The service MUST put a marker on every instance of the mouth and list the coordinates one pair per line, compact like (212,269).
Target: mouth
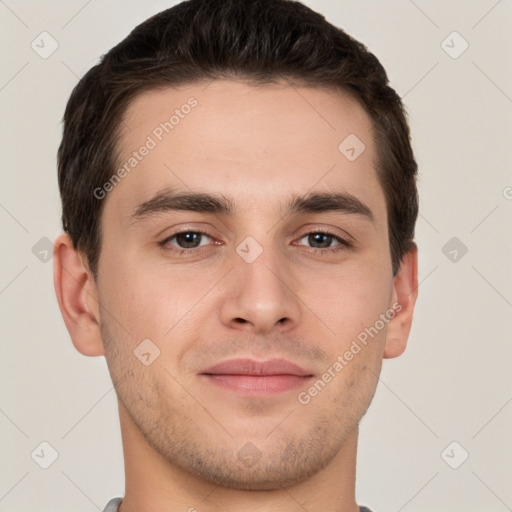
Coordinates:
(251,377)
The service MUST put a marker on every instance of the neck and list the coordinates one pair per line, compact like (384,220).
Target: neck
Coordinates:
(156,484)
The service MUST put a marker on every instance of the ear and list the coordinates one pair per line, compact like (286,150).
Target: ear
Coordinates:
(405,292)
(77,296)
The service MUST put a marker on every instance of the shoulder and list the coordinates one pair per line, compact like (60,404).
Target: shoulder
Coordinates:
(113,505)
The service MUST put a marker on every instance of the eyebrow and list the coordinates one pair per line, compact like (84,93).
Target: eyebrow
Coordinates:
(169,200)
(329,201)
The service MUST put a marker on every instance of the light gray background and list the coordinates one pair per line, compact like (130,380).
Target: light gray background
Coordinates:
(453,383)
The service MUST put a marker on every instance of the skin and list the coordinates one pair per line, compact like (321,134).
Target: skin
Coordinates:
(183,437)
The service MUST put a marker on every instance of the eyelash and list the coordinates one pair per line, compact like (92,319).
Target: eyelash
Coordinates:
(165,243)
(342,243)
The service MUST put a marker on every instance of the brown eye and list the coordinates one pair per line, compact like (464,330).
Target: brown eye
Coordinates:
(322,240)
(188,239)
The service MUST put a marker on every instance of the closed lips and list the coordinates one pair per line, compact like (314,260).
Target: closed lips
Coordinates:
(251,367)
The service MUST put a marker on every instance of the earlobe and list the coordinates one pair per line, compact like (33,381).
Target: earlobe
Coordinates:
(405,293)
(77,297)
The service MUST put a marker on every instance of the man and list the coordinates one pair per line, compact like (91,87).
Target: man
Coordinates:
(239,202)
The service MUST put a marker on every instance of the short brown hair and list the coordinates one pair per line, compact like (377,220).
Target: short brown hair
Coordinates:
(261,41)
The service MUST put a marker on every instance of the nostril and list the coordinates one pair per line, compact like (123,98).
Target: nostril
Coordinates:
(240,321)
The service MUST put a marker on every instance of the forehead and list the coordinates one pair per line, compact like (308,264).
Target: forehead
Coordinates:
(257,144)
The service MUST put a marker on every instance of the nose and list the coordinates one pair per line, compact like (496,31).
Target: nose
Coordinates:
(260,297)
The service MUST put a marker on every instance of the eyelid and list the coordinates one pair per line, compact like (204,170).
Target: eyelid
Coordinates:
(327,233)
(340,246)
(169,238)
(344,238)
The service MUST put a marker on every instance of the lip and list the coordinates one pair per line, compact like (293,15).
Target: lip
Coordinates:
(256,368)
(252,377)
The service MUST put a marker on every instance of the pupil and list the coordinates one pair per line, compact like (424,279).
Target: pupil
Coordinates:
(188,240)
(321,239)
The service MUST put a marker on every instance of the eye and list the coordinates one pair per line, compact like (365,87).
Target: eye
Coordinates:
(321,240)
(188,239)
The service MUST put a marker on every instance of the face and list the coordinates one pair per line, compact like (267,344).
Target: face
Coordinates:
(251,250)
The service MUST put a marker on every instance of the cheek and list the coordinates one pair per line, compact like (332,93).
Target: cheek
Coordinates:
(152,301)
(351,305)
(348,300)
